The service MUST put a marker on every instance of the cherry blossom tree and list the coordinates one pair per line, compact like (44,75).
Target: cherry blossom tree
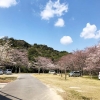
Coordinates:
(51,66)
(64,62)
(60,66)
(18,58)
(4,51)
(93,59)
(79,59)
(42,63)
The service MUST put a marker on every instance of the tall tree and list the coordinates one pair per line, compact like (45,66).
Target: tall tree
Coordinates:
(64,63)
(93,59)
(80,57)
(42,63)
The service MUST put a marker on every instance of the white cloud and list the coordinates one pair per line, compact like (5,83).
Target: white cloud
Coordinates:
(65,40)
(90,31)
(53,9)
(60,23)
(7,3)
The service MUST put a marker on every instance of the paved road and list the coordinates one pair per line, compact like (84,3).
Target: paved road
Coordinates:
(26,87)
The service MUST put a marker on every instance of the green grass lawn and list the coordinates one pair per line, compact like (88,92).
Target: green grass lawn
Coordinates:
(74,88)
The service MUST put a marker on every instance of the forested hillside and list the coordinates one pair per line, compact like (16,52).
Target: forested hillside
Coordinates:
(21,44)
(44,51)
(34,50)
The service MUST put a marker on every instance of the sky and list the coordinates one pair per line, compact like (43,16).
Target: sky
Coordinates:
(65,25)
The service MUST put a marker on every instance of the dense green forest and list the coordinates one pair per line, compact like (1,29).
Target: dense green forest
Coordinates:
(37,50)
(21,44)
(44,51)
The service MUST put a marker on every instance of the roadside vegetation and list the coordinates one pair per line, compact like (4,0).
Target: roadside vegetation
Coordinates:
(6,79)
(74,88)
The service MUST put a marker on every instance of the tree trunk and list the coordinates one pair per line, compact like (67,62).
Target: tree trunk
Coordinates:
(19,70)
(43,70)
(15,69)
(39,70)
(65,74)
(61,73)
(81,69)
(12,68)
(57,71)
(91,74)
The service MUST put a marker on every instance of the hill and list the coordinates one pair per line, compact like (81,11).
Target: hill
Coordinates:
(20,54)
(44,51)
(20,44)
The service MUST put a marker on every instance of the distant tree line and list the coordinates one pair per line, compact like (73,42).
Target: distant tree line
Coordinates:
(86,61)
(22,56)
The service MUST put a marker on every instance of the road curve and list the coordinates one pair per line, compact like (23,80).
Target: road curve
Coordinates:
(26,87)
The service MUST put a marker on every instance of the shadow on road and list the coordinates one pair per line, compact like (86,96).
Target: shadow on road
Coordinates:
(5,96)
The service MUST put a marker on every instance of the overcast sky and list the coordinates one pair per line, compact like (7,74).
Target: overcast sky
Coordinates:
(61,24)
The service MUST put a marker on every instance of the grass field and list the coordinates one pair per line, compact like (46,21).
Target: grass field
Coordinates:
(74,88)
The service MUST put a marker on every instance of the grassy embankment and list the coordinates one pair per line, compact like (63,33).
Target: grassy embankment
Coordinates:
(74,88)
(7,78)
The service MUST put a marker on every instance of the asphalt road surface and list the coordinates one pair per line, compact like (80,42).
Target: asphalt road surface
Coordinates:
(26,87)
